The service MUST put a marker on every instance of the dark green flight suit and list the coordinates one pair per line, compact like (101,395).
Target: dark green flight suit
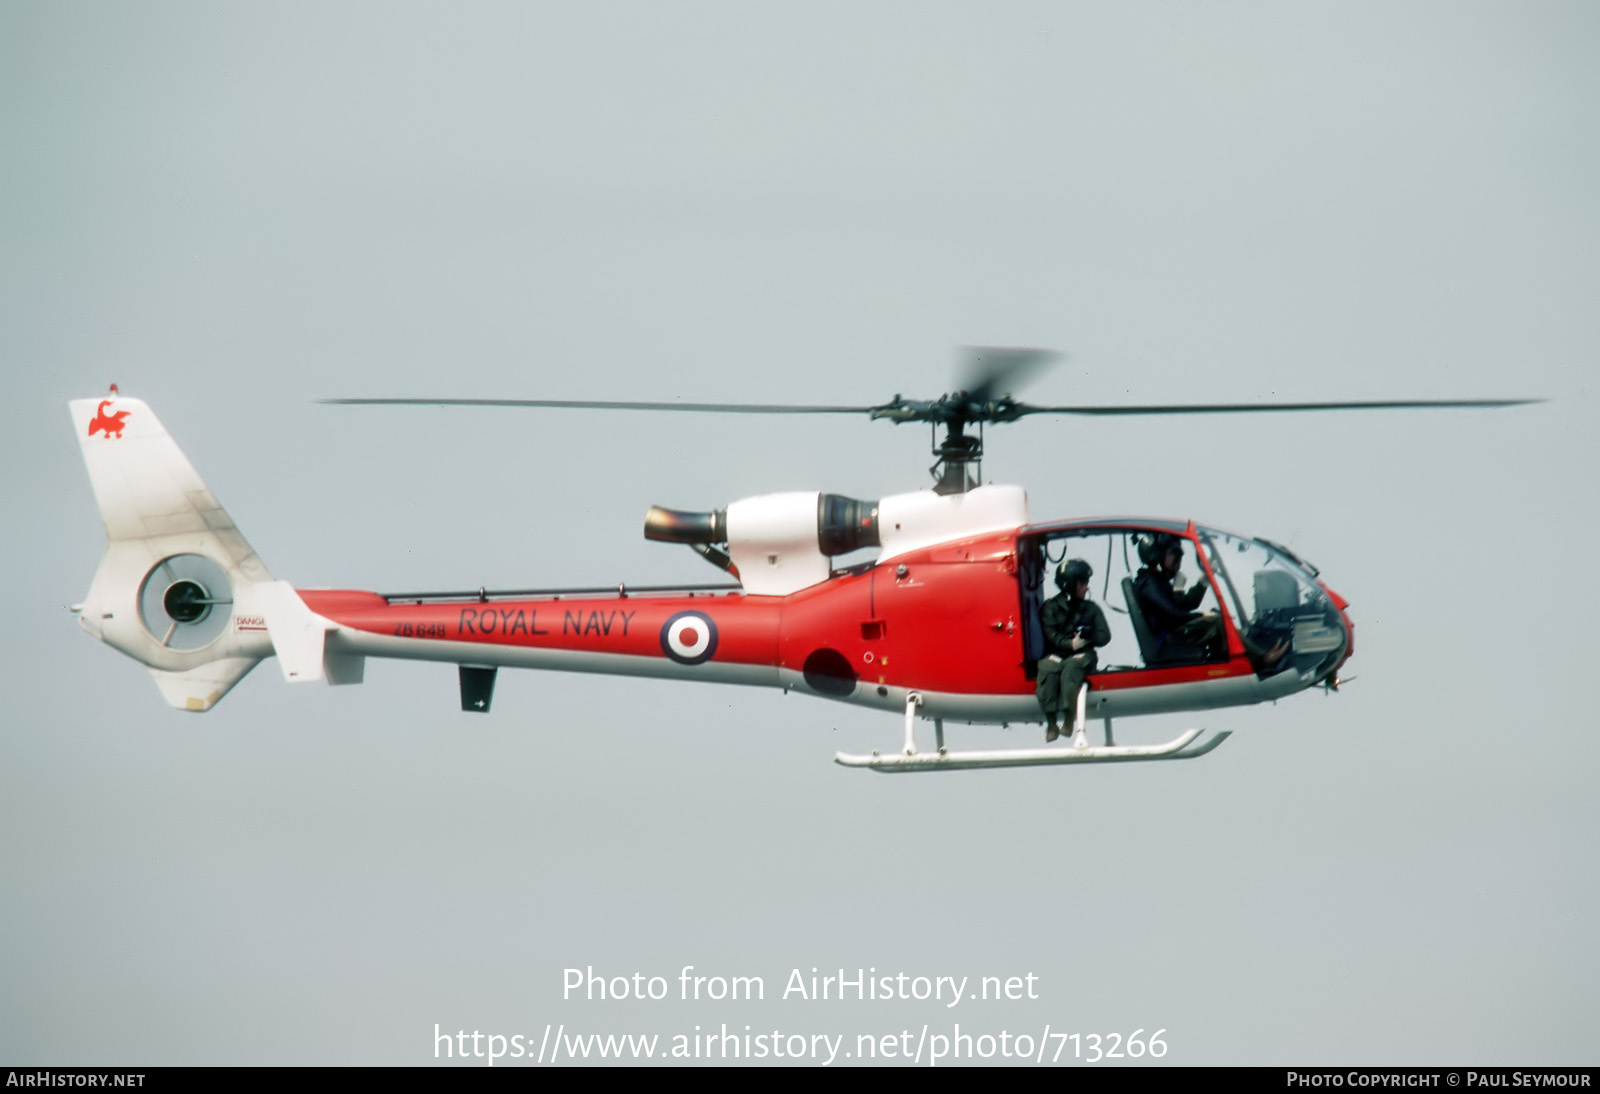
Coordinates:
(1058,681)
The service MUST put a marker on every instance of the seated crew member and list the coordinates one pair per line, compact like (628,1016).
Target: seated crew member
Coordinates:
(1073,627)
(1180,632)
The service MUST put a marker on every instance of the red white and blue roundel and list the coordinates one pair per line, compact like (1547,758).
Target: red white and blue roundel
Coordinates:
(689,638)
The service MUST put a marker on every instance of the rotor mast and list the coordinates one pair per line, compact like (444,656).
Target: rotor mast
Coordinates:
(959,450)
(956,452)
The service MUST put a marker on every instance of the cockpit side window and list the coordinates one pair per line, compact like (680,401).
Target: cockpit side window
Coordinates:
(1112,554)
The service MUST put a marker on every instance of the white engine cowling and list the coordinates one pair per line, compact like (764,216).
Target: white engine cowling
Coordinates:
(909,522)
(781,543)
(773,541)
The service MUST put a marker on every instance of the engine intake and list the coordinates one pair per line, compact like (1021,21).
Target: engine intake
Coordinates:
(845,524)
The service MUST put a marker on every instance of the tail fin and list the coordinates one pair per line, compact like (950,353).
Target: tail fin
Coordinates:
(177,586)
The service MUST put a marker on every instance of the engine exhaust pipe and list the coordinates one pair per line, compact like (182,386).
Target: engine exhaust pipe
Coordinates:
(675,526)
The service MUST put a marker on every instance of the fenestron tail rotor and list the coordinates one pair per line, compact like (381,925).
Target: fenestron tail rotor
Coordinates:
(987,374)
(183,601)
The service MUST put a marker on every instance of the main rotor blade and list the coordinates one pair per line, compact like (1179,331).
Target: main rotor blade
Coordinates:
(988,372)
(1009,364)
(1251,408)
(589,404)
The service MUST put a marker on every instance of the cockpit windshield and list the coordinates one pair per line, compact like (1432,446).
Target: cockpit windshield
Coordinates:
(1276,600)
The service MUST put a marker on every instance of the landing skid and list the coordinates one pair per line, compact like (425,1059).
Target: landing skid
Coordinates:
(1181,747)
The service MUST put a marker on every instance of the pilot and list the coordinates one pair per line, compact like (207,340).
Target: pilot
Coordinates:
(1179,632)
(1074,626)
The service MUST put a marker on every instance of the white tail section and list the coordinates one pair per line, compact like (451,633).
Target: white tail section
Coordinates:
(200,689)
(146,487)
(179,588)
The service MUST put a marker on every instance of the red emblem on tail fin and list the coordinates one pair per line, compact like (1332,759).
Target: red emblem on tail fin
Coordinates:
(111,423)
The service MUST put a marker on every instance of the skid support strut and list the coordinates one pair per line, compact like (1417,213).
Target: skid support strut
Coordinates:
(913,701)
(1080,736)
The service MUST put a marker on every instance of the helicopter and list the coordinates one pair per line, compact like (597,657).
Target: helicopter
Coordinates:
(943,624)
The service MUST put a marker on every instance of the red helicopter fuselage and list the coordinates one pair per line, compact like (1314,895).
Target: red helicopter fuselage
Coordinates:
(950,622)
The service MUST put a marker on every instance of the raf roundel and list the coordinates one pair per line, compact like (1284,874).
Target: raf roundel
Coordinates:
(689,638)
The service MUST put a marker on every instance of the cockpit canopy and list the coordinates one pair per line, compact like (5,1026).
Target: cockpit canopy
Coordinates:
(1277,595)
(1271,600)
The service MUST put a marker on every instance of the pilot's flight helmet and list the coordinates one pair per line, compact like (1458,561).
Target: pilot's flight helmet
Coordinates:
(1154,548)
(1070,572)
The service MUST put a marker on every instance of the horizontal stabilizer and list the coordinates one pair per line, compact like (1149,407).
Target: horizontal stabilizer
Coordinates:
(298,634)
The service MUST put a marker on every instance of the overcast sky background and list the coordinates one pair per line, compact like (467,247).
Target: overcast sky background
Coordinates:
(233,211)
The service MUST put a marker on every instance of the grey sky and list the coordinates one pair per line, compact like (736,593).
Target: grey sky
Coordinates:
(233,211)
